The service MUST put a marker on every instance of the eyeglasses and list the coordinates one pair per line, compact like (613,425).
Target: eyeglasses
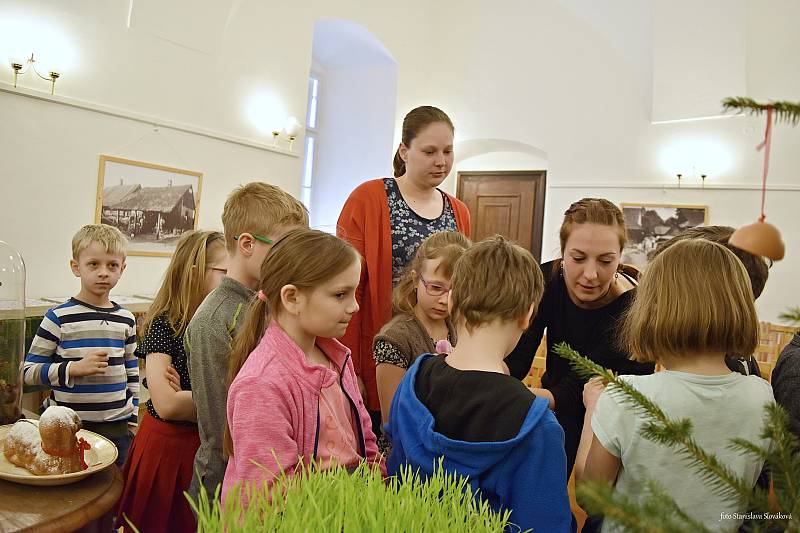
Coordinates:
(222,271)
(261,238)
(433,289)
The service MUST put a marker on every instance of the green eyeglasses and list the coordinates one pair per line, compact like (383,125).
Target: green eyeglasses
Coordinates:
(261,238)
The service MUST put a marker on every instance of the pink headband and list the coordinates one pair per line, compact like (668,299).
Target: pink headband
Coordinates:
(261,296)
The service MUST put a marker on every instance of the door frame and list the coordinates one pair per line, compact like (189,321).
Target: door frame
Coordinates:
(539,177)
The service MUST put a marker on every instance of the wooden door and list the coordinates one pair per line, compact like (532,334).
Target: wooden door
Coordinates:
(510,203)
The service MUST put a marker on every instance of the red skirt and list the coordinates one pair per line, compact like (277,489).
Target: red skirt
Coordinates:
(157,471)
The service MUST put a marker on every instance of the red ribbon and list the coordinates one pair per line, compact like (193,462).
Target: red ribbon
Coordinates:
(82,447)
(765,144)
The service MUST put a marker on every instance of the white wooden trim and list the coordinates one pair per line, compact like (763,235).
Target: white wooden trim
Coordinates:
(670,186)
(143,118)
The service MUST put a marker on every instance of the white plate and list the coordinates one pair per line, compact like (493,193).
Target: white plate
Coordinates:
(102,454)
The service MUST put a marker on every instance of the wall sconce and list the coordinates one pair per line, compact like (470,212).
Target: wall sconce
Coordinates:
(291,130)
(19,68)
(703,177)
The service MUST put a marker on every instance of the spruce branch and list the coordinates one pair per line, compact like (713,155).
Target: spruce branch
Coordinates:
(791,315)
(783,111)
(655,512)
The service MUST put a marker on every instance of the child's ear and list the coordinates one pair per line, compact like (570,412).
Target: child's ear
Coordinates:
(244,244)
(122,268)
(450,303)
(74,266)
(291,299)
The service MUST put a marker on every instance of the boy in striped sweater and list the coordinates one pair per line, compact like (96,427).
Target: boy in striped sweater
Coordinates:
(83,349)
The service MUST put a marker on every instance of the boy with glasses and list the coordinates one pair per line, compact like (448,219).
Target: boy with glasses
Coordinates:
(254,217)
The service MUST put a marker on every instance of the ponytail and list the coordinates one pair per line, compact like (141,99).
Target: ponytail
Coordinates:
(398,164)
(246,340)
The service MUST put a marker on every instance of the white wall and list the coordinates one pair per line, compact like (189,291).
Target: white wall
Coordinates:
(572,78)
(48,182)
(356,115)
(355,142)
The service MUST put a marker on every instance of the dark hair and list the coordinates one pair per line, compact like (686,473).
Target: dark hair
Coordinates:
(416,120)
(757,269)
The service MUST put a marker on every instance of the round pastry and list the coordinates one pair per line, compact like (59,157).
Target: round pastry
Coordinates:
(49,448)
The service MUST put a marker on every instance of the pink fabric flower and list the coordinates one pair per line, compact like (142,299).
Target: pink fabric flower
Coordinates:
(444,346)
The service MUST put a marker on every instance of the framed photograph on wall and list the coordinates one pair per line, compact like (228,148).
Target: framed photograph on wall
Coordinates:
(649,225)
(151,204)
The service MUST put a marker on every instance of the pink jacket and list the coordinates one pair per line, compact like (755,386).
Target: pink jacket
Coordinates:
(273,408)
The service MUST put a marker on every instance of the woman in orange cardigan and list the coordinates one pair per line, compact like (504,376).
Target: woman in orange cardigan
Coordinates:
(387,218)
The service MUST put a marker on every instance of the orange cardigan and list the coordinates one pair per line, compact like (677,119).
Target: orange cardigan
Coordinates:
(364,222)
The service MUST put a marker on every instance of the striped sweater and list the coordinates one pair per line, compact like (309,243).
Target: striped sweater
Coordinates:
(69,332)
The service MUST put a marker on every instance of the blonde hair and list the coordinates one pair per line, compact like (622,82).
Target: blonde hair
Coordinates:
(445,245)
(184,284)
(494,279)
(260,208)
(110,237)
(303,258)
(755,265)
(694,297)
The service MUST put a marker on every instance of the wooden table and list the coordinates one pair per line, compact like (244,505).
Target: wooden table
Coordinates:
(83,506)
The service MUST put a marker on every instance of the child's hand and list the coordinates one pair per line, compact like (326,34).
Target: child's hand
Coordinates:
(546,394)
(173,378)
(93,363)
(592,391)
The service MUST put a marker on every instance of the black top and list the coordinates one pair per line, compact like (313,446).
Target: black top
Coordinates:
(160,338)
(472,405)
(786,382)
(591,332)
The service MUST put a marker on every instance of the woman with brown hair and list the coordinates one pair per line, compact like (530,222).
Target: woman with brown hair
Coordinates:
(586,293)
(387,218)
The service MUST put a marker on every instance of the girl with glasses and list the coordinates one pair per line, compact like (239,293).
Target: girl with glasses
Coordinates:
(419,303)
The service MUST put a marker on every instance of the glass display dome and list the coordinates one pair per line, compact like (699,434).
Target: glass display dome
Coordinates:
(12,332)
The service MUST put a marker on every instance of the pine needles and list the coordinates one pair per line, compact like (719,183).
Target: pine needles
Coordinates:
(655,511)
(788,112)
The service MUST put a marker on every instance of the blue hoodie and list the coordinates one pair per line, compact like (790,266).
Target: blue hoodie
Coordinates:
(525,474)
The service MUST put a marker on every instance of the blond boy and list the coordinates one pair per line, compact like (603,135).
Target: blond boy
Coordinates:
(83,349)
(254,217)
(464,410)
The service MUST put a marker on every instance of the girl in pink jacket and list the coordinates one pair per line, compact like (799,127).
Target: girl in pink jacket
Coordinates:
(293,394)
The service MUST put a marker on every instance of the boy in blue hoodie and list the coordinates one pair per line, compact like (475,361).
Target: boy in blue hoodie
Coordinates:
(464,408)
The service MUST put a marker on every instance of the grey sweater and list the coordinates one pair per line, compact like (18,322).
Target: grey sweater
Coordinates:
(208,342)
(786,382)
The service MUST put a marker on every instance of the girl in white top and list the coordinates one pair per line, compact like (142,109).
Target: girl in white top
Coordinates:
(694,305)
